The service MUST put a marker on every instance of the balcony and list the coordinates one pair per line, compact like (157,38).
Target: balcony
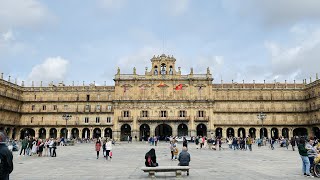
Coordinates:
(201,119)
(125,119)
(169,118)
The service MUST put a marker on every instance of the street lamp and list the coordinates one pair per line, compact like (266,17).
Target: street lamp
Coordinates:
(66,117)
(261,116)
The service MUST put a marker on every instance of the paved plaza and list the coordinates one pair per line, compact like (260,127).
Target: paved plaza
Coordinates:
(79,162)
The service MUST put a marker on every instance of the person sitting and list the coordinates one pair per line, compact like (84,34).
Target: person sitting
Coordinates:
(184,158)
(151,159)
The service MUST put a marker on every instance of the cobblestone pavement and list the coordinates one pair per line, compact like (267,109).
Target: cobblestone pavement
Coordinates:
(79,162)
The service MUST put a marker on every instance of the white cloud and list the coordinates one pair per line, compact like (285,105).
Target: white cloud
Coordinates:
(52,69)
(8,36)
(177,7)
(26,13)
(112,4)
(275,12)
(300,60)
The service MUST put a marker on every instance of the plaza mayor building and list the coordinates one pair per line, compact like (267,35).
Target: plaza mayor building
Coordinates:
(161,102)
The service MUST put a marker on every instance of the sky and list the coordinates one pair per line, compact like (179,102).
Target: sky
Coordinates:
(87,40)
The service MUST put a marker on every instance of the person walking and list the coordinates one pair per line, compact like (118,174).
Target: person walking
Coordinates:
(24,145)
(304,157)
(249,142)
(98,147)
(40,147)
(312,152)
(51,142)
(108,149)
(197,142)
(184,158)
(293,143)
(54,148)
(6,163)
(175,152)
(185,142)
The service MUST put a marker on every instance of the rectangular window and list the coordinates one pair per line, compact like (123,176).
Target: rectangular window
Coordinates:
(65,107)
(144,113)
(33,107)
(87,108)
(31,119)
(125,113)
(54,107)
(98,97)
(88,97)
(44,107)
(182,114)
(163,114)
(35,97)
(77,97)
(108,119)
(109,107)
(86,120)
(200,113)
(97,119)
(98,107)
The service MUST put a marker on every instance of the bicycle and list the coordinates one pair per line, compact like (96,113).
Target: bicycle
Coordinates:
(316,169)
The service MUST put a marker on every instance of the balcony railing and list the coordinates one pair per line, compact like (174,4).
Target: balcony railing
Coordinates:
(125,119)
(201,119)
(169,118)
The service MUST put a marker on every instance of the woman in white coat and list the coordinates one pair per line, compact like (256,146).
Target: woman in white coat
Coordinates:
(108,149)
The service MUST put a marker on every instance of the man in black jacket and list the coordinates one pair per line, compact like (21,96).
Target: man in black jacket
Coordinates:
(184,158)
(6,165)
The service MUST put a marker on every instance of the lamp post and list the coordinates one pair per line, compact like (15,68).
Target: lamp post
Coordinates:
(66,117)
(262,116)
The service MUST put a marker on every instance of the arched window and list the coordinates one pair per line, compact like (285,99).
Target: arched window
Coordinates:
(163,68)
(171,70)
(155,70)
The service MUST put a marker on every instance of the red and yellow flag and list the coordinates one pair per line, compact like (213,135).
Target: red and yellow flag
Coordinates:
(178,87)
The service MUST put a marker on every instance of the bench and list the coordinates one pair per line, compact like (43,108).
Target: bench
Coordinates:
(177,169)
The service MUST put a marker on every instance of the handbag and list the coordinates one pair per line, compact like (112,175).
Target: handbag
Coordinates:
(110,153)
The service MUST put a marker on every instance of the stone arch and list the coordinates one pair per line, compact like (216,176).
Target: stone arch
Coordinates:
(75,133)
(163,131)
(96,133)
(125,132)
(285,132)
(201,130)
(182,130)
(86,133)
(108,133)
(42,133)
(263,133)
(144,132)
(300,132)
(241,132)
(219,132)
(275,133)
(27,132)
(230,132)
(252,132)
(53,133)
(64,133)
(316,132)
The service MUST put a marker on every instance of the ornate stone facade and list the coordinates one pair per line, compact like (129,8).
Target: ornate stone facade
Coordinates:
(161,102)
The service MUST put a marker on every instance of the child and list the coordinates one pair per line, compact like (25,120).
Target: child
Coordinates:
(175,152)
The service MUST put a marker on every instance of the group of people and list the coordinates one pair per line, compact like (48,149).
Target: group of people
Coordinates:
(31,146)
(240,143)
(309,152)
(106,145)
(183,157)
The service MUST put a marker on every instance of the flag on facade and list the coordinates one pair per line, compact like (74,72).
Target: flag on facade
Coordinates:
(161,84)
(178,87)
